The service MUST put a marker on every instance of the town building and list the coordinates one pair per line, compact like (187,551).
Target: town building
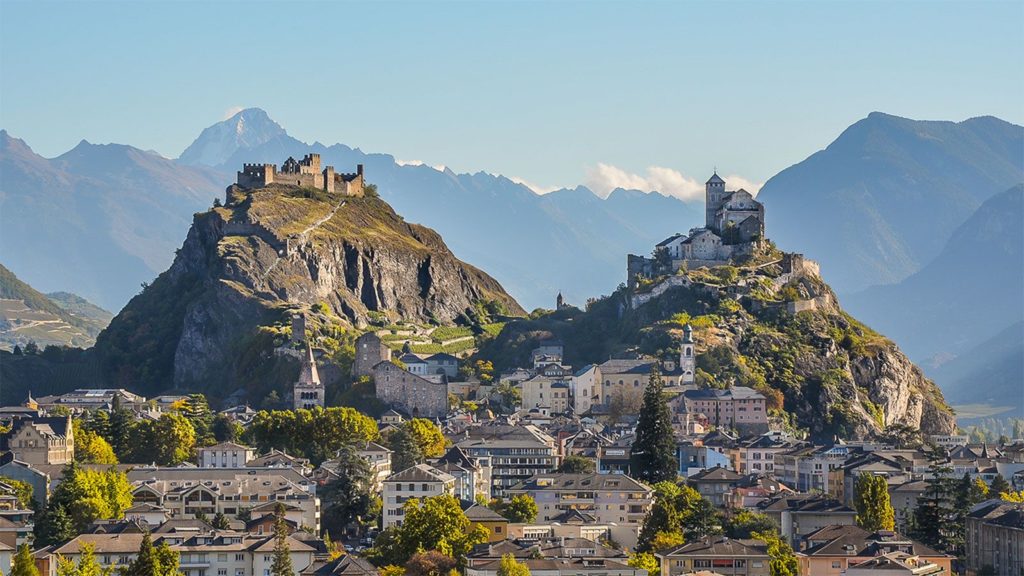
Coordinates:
(442,363)
(515,453)
(550,394)
(224,455)
(896,564)
(756,454)
(197,492)
(833,550)
(720,555)
(995,538)
(420,481)
(91,399)
(415,395)
(715,484)
(806,469)
(612,499)
(379,459)
(800,514)
(495,524)
(739,408)
(584,388)
(472,474)
(41,441)
(221,552)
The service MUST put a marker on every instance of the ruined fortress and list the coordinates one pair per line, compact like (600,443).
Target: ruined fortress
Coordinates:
(305,173)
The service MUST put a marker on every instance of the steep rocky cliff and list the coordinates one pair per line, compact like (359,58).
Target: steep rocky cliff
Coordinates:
(773,325)
(247,265)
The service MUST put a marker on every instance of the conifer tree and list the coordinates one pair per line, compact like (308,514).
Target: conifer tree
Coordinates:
(933,516)
(282,565)
(24,564)
(652,458)
(871,499)
(999,485)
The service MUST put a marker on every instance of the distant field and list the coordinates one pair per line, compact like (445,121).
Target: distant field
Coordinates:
(971,411)
(19,324)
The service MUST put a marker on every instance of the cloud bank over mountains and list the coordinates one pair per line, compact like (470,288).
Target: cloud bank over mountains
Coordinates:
(604,178)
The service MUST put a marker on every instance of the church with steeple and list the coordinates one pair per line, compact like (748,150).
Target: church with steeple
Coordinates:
(733,228)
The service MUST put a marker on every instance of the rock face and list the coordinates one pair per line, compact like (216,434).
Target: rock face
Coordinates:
(265,253)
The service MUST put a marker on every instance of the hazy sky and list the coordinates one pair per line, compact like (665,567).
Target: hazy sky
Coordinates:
(554,93)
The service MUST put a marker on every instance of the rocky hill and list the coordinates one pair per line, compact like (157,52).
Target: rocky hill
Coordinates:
(246,266)
(773,325)
(59,319)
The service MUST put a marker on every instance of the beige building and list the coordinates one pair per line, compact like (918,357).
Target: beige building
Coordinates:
(189,492)
(897,564)
(547,393)
(220,552)
(720,555)
(41,441)
(739,408)
(224,455)
(833,550)
(420,481)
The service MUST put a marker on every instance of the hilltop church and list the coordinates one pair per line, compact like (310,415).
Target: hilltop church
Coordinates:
(733,227)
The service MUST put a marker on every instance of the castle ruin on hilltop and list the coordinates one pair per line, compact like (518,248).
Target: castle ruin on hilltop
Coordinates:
(305,173)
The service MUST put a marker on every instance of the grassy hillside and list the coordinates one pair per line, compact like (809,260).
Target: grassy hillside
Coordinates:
(26,315)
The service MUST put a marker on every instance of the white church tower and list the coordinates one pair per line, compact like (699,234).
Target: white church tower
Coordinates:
(687,355)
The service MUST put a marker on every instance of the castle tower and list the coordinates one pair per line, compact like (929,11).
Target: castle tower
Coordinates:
(687,355)
(559,302)
(299,327)
(714,195)
(308,391)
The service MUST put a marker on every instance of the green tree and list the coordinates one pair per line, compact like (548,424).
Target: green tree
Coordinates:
(405,451)
(645,561)
(225,429)
(999,485)
(673,505)
(316,434)
(90,447)
(197,411)
(24,564)
(436,523)
(744,523)
(22,491)
(347,498)
(120,426)
(427,436)
(782,561)
(652,458)
(871,499)
(174,439)
(87,564)
(152,560)
(82,497)
(933,518)
(577,465)
(282,565)
(702,520)
(220,521)
(509,566)
(521,508)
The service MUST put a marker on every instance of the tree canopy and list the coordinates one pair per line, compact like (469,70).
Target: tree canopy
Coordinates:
(652,458)
(871,499)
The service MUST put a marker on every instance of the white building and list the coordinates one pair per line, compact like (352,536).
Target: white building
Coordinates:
(420,481)
(224,455)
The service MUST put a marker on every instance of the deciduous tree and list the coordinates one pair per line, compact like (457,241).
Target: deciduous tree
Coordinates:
(509,566)
(871,499)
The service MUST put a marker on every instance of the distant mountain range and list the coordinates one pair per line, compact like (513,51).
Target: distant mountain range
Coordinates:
(881,201)
(973,289)
(98,220)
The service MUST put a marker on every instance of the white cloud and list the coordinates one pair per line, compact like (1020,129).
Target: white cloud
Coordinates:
(232,111)
(604,178)
(536,188)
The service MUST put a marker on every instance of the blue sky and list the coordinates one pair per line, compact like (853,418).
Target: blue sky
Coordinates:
(554,93)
